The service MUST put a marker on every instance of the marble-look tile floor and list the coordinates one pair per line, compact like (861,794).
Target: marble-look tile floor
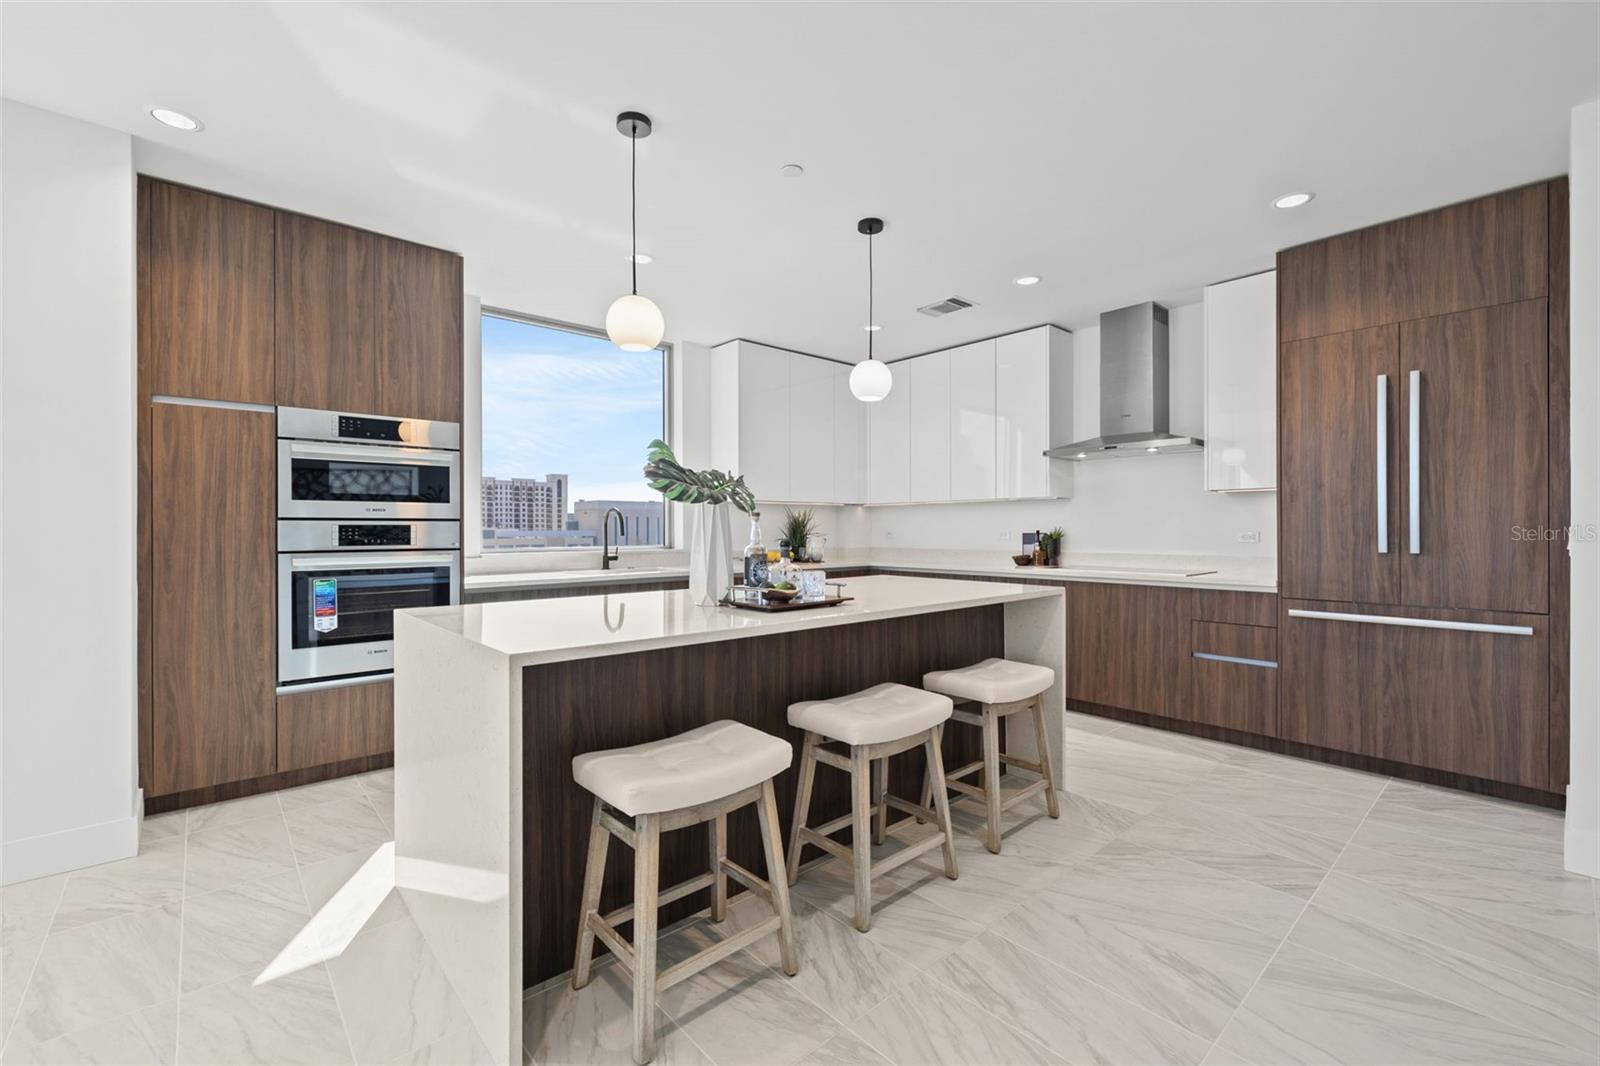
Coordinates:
(1195,903)
(260,930)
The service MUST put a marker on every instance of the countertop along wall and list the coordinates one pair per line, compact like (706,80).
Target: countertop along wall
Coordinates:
(68,721)
(1156,504)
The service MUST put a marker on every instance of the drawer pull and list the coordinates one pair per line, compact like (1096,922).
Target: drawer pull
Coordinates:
(1414,623)
(1212,656)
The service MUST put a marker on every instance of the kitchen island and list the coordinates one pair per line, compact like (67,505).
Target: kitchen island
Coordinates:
(492,701)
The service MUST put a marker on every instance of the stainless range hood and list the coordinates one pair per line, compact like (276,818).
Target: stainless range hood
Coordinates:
(1133,390)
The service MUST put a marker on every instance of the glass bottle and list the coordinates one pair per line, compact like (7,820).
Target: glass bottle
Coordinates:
(755,555)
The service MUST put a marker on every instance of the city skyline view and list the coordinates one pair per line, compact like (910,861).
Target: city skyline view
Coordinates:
(558,400)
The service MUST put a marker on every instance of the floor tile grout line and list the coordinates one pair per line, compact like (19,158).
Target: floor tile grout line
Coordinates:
(1519,1027)
(1544,976)
(327,971)
(11,1025)
(183,921)
(1008,1026)
(1290,931)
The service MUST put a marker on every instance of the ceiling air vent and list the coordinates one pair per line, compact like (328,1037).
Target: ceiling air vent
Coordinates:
(945,306)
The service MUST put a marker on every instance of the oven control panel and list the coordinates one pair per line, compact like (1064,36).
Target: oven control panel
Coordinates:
(371,536)
(356,427)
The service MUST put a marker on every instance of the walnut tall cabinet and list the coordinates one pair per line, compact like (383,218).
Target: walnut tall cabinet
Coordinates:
(242,307)
(1422,462)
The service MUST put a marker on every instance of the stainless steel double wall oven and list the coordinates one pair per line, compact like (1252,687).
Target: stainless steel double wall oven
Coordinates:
(369,522)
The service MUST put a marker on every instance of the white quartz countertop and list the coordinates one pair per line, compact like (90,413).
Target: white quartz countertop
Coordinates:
(1229,573)
(552,630)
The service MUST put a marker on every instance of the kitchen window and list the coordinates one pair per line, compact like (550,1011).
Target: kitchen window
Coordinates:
(567,418)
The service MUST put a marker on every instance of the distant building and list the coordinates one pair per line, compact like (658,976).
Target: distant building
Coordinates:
(525,503)
(645,521)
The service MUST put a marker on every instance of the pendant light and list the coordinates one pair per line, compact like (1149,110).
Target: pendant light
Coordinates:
(871,380)
(634,322)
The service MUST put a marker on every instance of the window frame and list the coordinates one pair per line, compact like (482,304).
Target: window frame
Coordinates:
(475,439)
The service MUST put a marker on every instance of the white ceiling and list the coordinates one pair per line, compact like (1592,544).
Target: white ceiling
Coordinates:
(1122,152)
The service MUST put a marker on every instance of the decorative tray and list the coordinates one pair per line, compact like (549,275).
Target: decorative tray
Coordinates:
(748,603)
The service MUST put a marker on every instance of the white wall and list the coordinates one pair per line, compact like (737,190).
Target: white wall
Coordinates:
(1156,504)
(1583,791)
(67,700)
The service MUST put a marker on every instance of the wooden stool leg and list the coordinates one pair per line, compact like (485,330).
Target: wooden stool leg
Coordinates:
(927,789)
(861,834)
(594,873)
(991,779)
(941,799)
(880,772)
(646,883)
(1051,801)
(719,879)
(772,842)
(802,803)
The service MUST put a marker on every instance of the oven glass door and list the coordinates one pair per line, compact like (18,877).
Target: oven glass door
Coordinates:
(317,480)
(336,611)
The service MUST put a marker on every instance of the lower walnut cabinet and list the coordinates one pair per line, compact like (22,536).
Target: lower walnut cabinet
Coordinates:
(1233,677)
(1127,647)
(1463,701)
(334,725)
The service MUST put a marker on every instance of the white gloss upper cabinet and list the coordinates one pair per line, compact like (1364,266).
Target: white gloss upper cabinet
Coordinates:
(764,420)
(1241,330)
(1033,411)
(972,421)
(929,378)
(852,440)
(890,451)
(810,447)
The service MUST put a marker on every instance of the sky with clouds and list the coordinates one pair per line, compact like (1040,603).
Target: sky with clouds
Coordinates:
(563,403)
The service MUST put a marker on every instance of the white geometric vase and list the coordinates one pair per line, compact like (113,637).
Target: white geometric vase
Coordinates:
(710,553)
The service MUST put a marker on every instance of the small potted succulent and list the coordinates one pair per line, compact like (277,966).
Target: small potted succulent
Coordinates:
(800,530)
(1051,543)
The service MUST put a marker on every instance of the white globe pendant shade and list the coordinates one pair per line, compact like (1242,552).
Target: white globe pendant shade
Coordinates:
(870,380)
(634,323)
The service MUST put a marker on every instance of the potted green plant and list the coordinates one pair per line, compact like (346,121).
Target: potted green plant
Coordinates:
(1051,543)
(799,528)
(710,534)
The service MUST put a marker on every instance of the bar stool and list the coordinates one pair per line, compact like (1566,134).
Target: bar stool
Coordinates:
(1000,688)
(694,777)
(873,724)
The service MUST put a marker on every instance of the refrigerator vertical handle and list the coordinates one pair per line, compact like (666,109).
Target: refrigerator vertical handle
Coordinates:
(1414,511)
(1383,464)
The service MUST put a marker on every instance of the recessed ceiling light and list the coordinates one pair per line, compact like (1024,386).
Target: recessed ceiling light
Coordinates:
(642,258)
(176,119)
(1294,199)
(791,170)
(1028,279)
(872,329)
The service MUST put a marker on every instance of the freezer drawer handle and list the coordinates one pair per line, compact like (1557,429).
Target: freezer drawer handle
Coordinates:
(1414,623)
(1415,510)
(1211,656)
(1383,464)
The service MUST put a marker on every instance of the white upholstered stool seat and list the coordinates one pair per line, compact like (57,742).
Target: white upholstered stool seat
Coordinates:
(1000,688)
(872,716)
(991,681)
(873,725)
(694,778)
(687,770)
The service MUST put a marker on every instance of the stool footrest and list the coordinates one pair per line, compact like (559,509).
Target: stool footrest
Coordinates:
(623,915)
(611,938)
(964,787)
(907,854)
(964,771)
(748,879)
(1020,763)
(926,814)
(1022,794)
(827,844)
(715,953)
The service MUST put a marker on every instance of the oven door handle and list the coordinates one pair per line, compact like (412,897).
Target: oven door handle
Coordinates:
(372,453)
(370,561)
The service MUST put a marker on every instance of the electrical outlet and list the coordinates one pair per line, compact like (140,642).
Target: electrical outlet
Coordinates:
(1005,534)
(1250,536)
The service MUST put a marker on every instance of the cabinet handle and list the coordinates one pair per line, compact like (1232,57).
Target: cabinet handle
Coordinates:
(1415,428)
(1414,623)
(1211,656)
(1383,464)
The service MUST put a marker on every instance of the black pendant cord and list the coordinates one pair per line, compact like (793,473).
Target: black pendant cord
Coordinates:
(871,321)
(633,202)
